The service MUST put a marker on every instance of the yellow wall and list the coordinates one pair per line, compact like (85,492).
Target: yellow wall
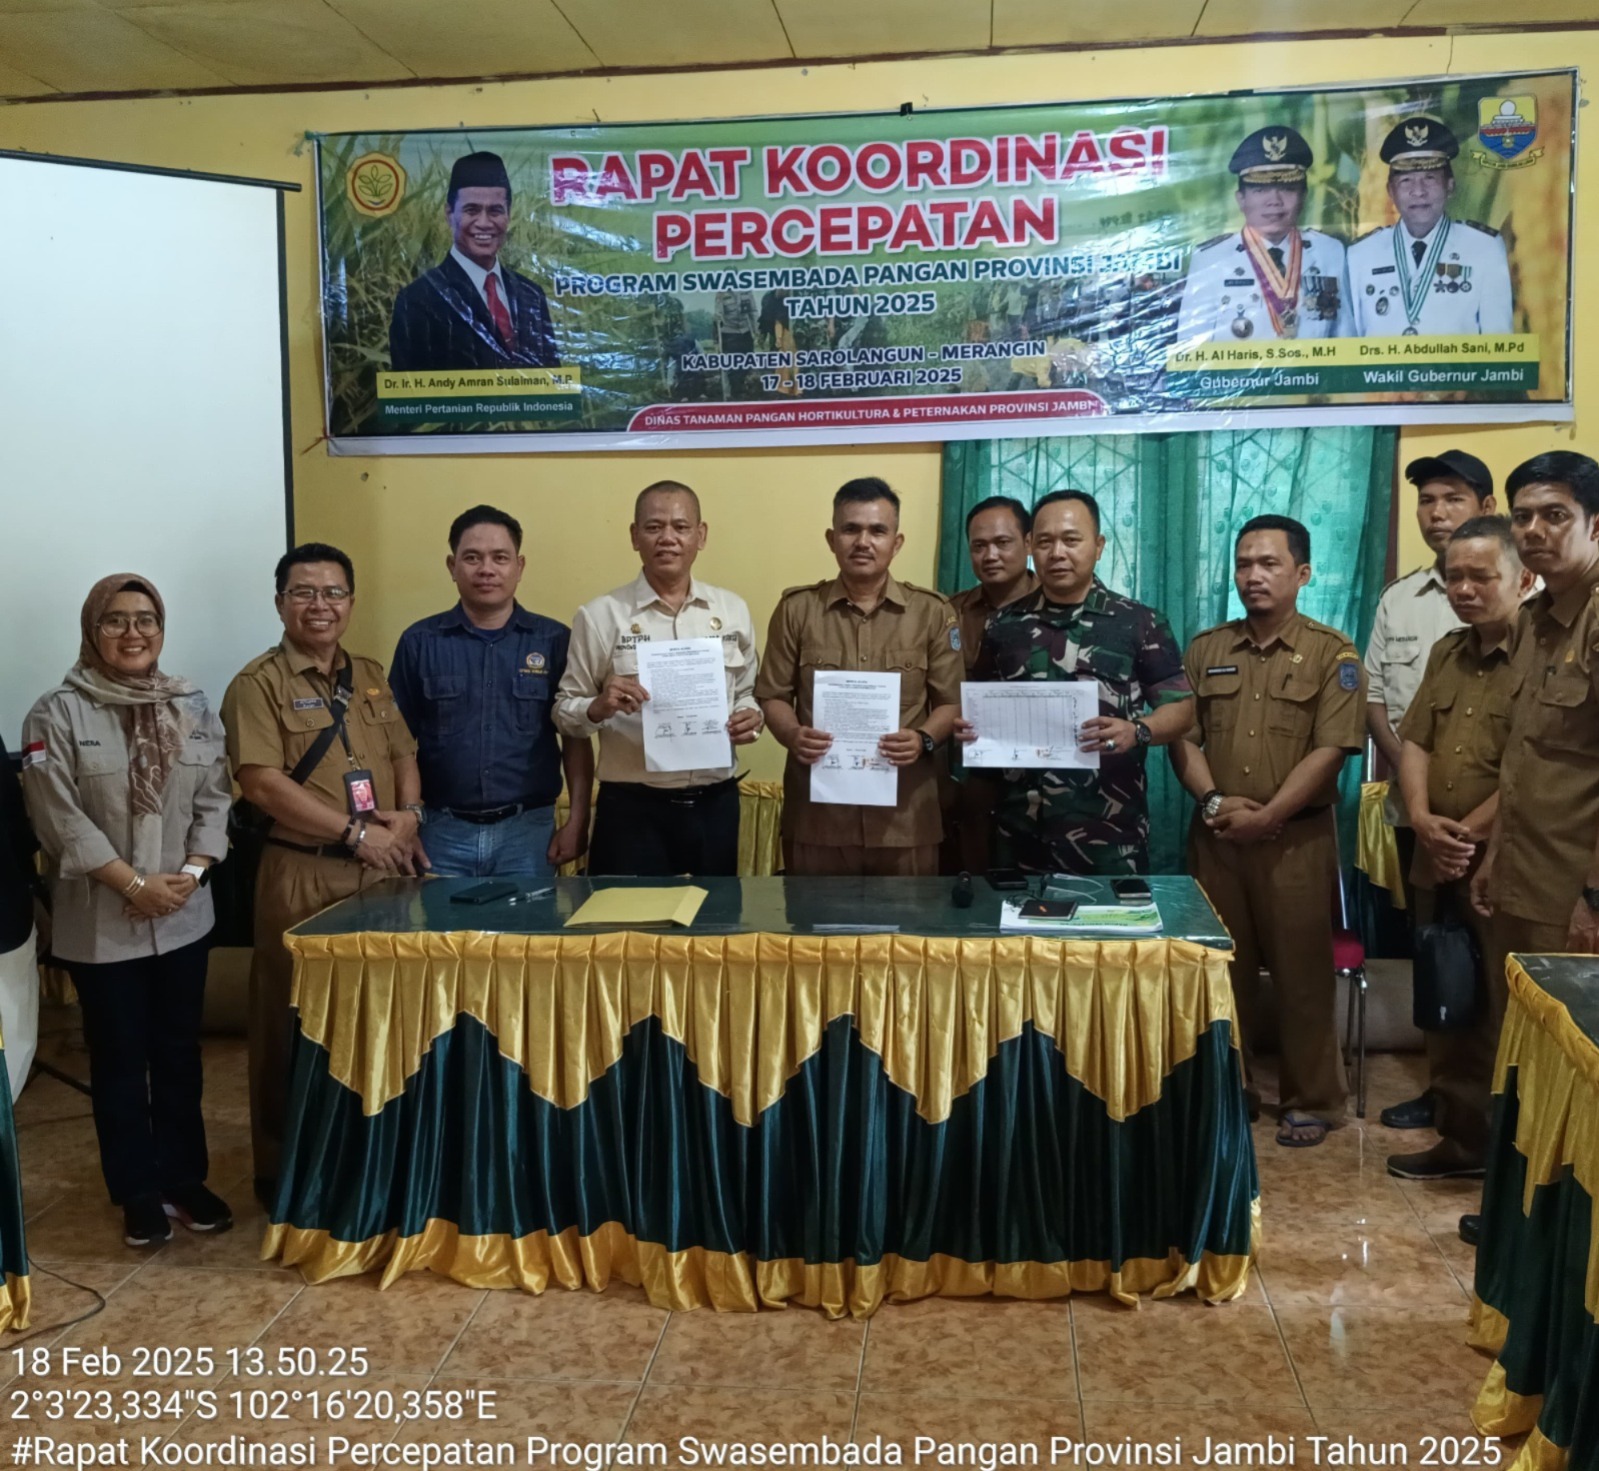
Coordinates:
(766,509)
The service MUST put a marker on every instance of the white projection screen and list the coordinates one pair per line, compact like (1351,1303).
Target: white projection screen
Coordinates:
(143,413)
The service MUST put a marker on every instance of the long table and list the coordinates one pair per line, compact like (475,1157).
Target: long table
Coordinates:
(1536,1307)
(826,1091)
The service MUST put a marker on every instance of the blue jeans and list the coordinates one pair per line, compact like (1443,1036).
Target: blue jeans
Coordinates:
(519,845)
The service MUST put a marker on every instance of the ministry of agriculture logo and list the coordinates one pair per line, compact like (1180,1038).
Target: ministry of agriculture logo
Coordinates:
(1506,127)
(375,183)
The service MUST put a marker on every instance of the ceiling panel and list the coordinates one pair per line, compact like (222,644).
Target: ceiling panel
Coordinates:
(24,7)
(267,42)
(19,84)
(1487,13)
(854,28)
(506,37)
(1052,23)
(95,51)
(1252,17)
(679,32)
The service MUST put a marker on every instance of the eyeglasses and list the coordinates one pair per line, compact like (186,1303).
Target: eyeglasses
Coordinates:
(308,595)
(117,624)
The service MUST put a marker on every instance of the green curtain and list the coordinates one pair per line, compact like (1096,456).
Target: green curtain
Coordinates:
(1171,506)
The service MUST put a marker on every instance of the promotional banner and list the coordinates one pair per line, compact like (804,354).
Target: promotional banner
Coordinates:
(1392,253)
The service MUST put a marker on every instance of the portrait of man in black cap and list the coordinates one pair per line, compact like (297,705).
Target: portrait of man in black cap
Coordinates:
(471,310)
(1269,279)
(1427,275)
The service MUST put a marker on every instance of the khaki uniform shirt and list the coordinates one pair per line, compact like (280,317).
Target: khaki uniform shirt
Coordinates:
(1260,711)
(1461,719)
(278,704)
(1413,613)
(605,637)
(75,780)
(1549,779)
(972,612)
(912,631)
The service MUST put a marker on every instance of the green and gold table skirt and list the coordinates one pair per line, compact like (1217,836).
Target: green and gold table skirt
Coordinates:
(1536,1307)
(14,1295)
(751,1120)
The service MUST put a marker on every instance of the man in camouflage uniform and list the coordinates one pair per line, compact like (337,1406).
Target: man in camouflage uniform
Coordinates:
(1073,627)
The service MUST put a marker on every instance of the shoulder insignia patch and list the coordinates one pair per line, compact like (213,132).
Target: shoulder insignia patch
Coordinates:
(1348,674)
(955,637)
(1478,225)
(1214,240)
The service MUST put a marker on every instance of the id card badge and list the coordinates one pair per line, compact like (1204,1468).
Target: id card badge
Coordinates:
(360,794)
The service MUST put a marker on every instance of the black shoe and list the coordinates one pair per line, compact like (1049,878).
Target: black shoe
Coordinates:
(144,1221)
(1446,1160)
(1470,1229)
(198,1208)
(1414,1113)
(266,1189)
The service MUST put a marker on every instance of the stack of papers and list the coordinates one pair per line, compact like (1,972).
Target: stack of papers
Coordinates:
(621,909)
(1090,919)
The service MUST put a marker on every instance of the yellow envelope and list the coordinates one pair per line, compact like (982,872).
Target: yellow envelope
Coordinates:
(619,908)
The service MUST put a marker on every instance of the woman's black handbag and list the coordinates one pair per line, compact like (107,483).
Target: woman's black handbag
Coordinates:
(1448,966)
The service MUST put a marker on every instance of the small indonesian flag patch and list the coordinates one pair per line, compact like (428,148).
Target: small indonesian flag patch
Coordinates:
(32,754)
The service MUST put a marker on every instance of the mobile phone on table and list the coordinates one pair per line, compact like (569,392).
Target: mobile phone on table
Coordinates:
(1131,891)
(485,893)
(1049,909)
(1006,879)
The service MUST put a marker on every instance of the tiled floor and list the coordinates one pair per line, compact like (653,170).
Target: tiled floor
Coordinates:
(1354,1325)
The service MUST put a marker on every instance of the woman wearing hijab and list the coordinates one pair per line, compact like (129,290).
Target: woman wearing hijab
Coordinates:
(126,780)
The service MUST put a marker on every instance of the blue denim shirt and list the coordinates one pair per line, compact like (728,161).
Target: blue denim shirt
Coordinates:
(480,708)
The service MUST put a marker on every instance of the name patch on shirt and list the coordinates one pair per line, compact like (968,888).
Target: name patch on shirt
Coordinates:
(1222,669)
(88,743)
(315,702)
(632,640)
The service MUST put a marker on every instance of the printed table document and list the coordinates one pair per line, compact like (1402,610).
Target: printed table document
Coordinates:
(857,710)
(1029,724)
(685,718)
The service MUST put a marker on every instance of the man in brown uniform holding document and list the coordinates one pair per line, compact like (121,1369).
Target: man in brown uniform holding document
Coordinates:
(1453,736)
(1280,703)
(863,621)
(349,819)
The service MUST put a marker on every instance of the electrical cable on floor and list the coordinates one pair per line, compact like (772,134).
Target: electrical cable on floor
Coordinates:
(95,1311)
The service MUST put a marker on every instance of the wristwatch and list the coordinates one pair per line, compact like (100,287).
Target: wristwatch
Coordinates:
(1210,803)
(1141,733)
(929,745)
(199,872)
(1590,897)
(418,809)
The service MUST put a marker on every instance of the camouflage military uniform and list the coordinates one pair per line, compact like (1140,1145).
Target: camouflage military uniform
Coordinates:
(1083,821)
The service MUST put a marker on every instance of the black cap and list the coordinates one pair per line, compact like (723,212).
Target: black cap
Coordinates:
(479,171)
(1452,464)
(1419,143)
(1271,156)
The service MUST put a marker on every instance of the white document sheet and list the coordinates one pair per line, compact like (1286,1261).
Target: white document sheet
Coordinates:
(685,719)
(856,710)
(1022,723)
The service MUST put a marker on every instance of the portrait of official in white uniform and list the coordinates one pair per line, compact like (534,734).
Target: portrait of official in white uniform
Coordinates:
(1269,279)
(1427,275)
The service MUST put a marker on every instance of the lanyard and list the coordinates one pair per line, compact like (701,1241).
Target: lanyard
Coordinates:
(1416,287)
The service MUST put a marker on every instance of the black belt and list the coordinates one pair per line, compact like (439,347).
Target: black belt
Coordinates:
(677,796)
(487,815)
(316,850)
(1305,812)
